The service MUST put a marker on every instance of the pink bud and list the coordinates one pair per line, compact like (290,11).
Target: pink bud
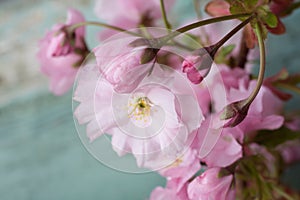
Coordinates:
(58,57)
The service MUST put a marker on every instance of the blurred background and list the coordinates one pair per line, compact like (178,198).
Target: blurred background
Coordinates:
(41,156)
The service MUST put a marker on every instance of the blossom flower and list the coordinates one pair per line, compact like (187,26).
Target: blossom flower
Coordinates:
(293,124)
(155,122)
(233,86)
(160,193)
(184,167)
(129,14)
(209,186)
(290,151)
(199,125)
(60,54)
(226,151)
(264,112)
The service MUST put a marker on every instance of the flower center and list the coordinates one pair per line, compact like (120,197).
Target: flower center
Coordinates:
(139,111)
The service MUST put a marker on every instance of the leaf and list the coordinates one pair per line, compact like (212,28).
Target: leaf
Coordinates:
(282,75)
(267,17)
(271,82)
(221,56)
(225,51)
(279,29)
(236,7)
(290,83)
(273,138)
(250,4)
(293,79)
(271,20)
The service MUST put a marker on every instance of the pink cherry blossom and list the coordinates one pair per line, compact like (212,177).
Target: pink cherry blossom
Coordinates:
(179,172)
(155,123)
(129,14)
(160,193)
(264,112)
(57,55)
(133,9)
(293,124)
(290,151)
(210,186)
(226,151)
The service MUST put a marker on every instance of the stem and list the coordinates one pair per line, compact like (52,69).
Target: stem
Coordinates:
(164,15)
(262,56)
(165,39)
(92,23)
(206,22)
(244,50)
(231,33)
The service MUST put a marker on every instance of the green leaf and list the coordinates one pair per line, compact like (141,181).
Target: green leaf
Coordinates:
(271,20)
(273,138)
(267,17)
(226,50)
(236,7)
(250,4)
(221,56)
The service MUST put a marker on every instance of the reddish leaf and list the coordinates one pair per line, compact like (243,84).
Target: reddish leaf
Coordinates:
(272,81)
(279,29)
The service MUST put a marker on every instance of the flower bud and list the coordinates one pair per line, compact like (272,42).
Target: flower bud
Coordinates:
(236,112)
(151,50)
(197,66)
(148,55)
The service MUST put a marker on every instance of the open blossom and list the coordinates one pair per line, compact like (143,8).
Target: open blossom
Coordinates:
(210,186)
(184,168)
(155,123)
(226,151)
(58,53)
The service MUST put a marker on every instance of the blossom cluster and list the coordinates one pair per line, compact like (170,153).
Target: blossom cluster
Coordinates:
(190,108)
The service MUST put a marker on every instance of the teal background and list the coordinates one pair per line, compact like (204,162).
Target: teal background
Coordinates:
(41,156)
